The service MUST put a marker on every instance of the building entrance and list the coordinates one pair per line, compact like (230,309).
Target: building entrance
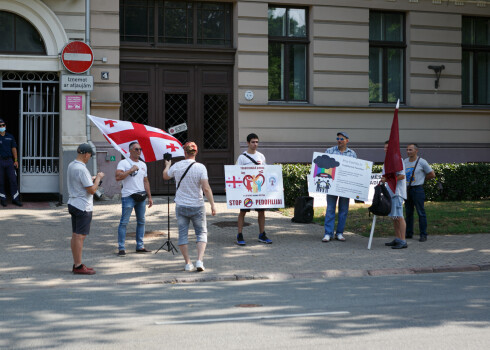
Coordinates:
(30,107)
(165,95)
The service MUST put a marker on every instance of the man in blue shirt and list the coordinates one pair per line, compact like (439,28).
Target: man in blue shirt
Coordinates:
(343,150)
(8,164)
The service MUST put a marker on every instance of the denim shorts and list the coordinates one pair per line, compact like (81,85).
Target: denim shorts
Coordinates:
(396,207)
(80,220)
(198,217)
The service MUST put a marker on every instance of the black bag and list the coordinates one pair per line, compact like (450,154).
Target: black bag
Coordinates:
(303,210)
(139,196)
(381,201)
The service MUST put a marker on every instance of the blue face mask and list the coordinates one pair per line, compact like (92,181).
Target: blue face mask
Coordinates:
(3,129)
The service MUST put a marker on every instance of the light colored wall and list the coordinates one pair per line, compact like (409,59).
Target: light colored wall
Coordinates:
(339,78)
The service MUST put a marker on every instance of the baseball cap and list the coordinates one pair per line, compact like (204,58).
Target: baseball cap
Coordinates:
(189,147)
(85,148)
(1,121)
(343,133)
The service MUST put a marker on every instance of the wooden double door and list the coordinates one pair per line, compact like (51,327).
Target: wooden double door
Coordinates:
(166,95)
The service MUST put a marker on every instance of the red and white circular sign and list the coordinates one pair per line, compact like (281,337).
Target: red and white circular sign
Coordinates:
(77,57)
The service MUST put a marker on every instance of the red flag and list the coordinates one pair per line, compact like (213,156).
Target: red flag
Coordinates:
(154,142)
(393,158)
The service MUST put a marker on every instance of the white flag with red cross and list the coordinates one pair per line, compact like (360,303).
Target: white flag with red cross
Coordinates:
(154,142)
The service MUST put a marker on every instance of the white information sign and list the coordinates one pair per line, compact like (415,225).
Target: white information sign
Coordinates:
(254,186)
(77,82)
(340,176)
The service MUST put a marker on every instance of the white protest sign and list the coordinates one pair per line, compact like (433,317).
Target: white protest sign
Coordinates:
(340,176)
(254,186)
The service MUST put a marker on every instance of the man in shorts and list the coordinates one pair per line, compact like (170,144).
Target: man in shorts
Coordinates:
(396,214)
(252,156)
(81,188)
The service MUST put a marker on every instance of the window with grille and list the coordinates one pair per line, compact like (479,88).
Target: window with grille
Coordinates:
(387,46)
(215,122)
(476,61)
(176,113)
(135,107)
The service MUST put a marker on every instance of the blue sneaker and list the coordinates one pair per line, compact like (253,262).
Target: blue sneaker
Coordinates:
(263,239)
(239,239)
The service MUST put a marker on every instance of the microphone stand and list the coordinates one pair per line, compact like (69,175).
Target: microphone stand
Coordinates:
(168,245)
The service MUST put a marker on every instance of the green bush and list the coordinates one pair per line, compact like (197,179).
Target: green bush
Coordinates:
(453,182)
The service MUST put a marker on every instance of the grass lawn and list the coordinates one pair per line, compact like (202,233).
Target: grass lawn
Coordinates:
(443,218)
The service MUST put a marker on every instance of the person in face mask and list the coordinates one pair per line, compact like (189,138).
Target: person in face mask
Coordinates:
(8,164)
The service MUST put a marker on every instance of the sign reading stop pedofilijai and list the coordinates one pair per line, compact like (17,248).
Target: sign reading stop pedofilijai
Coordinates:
(77,57)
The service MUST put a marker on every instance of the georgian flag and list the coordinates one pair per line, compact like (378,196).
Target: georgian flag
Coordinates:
(154,142)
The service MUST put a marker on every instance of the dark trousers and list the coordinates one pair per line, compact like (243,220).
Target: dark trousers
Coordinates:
(415,198)
(7,168)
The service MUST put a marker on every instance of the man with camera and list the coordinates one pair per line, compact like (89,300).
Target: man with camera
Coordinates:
(191,180)
(81,189)
(135,189)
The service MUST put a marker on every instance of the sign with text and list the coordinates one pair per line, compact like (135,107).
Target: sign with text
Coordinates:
(254,186)
(340,176)
(73,103)
(77,82)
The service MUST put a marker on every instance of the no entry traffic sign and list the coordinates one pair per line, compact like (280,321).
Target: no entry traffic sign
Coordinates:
(77,57)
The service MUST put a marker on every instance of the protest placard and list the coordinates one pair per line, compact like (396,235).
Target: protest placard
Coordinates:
(340,176)
(254,186)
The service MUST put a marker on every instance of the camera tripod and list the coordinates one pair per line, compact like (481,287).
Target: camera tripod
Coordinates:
(168,245)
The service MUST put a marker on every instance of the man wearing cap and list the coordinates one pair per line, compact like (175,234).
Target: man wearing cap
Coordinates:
(8,164)
(133,174)
(418,171)
(81,188)
(343,150)
(191,180)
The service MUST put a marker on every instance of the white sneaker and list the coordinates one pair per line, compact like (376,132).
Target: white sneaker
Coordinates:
(199,266)
(189,267)
(326,238)
(339,237)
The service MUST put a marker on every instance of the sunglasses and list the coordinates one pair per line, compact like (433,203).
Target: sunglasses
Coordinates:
(137,149)
(2,124)
(340,139)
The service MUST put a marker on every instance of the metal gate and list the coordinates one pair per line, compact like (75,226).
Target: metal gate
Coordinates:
(39,161)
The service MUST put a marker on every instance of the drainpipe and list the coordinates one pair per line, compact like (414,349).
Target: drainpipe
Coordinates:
(87,103)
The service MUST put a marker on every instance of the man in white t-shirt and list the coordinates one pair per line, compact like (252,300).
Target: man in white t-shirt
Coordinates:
(252,156)
(81,188)
(191,179)
(135,188)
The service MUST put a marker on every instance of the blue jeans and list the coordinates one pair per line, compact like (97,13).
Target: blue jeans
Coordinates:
(198,217)
(128,204)
(415,198)
(330,214)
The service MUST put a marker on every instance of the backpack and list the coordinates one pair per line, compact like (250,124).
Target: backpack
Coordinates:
(381,201)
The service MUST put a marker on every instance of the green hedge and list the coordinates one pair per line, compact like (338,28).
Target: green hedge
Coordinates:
(453,182)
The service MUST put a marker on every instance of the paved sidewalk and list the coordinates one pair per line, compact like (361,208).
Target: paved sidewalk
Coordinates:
(35,250)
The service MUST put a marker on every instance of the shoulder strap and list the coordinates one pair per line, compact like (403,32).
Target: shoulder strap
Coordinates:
(253,160)
(185,173)
(413,172)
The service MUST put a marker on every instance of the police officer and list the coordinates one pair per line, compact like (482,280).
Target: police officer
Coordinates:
(8,164)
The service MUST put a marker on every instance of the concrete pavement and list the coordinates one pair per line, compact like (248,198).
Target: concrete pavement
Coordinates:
(35,250)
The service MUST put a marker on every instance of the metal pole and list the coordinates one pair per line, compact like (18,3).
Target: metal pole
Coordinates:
(87,102)
(372,232)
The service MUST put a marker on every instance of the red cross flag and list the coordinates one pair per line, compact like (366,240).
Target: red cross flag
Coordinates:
(154,142)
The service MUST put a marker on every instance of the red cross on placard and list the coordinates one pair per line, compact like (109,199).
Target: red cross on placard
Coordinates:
(234,182)
(110,122)
(172,147)
(142,135)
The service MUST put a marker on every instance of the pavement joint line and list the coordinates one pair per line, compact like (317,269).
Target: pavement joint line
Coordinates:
(260,317)
(269,277)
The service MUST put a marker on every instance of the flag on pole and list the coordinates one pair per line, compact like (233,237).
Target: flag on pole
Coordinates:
(393,158)
(154,142)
